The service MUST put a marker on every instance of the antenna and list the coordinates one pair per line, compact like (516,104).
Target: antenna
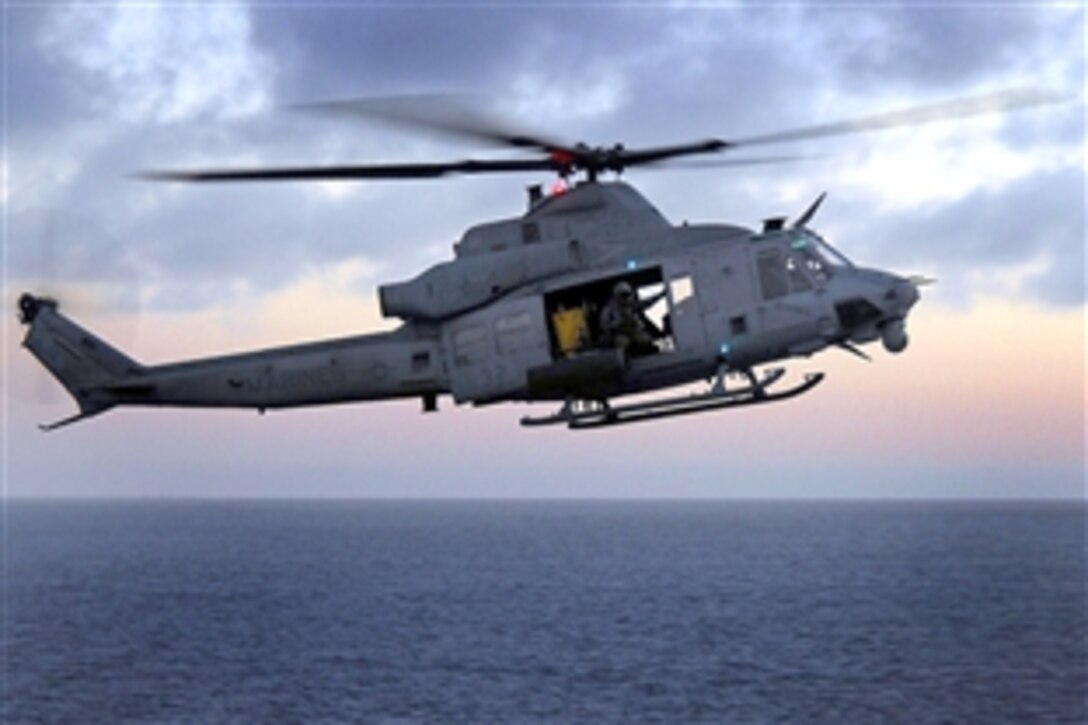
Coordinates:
(810,212)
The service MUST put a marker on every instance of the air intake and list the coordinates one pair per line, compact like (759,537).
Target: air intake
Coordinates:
(774,224)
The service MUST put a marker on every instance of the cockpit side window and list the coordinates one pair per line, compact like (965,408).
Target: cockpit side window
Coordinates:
(812,261)
(798,281)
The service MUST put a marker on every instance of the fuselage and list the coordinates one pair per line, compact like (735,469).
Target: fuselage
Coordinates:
(729,297)
(519,314)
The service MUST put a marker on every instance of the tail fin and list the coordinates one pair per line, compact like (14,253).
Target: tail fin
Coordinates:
(88,367)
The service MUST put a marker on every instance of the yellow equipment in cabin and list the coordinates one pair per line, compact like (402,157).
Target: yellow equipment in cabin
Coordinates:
(571,330)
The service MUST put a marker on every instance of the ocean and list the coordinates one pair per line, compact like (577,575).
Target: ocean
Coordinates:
(510,612)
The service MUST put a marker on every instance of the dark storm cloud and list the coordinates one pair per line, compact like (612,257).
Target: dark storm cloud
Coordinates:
(695,71)
(678,66)
(676,75)
(390,50)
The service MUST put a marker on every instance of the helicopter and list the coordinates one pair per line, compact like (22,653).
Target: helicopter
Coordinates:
(590,299)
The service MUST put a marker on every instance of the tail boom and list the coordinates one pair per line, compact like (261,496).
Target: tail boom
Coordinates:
(398,364)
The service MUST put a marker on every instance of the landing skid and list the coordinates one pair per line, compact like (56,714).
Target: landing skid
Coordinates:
(718,397)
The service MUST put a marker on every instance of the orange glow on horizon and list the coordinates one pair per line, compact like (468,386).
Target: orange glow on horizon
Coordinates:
(1000,384)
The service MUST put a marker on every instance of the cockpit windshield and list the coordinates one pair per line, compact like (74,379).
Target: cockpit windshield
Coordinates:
(819,257)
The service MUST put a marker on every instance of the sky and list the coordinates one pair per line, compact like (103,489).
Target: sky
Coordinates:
(988,401)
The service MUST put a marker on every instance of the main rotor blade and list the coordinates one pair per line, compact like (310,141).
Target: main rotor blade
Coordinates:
(456,115)
(365,171)
(1007,100)
(654,154)
(427,171)
(743,161)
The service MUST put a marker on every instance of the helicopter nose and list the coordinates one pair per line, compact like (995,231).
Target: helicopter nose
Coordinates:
(901,296)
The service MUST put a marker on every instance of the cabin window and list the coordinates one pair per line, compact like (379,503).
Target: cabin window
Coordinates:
(773,276)
(421,361)
(681,289)
(511,332)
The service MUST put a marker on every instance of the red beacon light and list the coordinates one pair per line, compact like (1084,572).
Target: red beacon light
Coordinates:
(559,188)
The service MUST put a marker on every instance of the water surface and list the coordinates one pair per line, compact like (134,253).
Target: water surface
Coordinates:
(545,611)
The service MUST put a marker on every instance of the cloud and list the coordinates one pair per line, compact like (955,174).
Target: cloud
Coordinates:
(933,48)
(38,87)
(1021,239)
(129,87)
(154,62)
(381,50)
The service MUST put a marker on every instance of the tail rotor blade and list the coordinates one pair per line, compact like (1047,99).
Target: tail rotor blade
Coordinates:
(68,257)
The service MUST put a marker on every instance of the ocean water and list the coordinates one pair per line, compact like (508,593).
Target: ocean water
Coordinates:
(475,612)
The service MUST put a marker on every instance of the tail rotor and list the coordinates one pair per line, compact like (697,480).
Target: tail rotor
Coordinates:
(66,260)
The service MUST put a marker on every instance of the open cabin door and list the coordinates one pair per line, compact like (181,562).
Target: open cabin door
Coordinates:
(577,314)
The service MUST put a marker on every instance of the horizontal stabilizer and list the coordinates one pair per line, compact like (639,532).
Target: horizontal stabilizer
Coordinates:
(68,421)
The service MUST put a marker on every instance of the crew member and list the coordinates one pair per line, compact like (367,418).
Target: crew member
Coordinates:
(624,324)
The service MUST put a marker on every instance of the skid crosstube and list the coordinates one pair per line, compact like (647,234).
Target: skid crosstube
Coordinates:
(677,406)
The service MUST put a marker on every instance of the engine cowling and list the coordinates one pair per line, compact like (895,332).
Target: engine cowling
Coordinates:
(451,288)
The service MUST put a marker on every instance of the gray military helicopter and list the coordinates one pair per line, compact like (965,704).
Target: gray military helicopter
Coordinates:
(589,296)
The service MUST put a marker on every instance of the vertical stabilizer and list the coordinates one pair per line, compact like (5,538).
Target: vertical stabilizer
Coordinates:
(83,363)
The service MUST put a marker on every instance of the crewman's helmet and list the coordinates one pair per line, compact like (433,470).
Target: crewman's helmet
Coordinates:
(623,291)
